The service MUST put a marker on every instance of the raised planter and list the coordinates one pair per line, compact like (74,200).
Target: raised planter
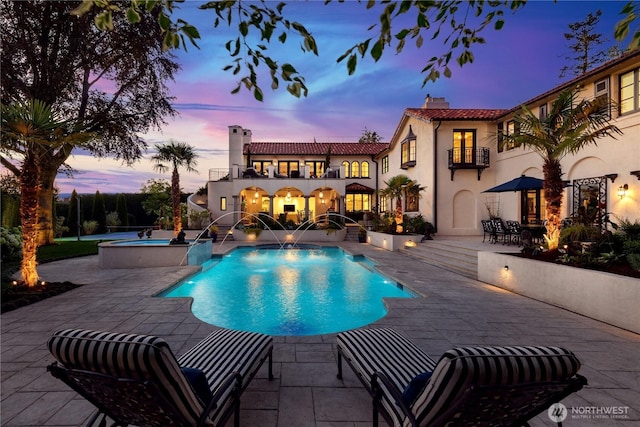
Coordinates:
(392,242)
(291,236)
(610,298)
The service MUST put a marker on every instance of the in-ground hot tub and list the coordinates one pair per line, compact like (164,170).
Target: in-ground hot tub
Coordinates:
(152,253)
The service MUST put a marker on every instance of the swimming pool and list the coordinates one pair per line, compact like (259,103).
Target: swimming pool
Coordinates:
(289,292)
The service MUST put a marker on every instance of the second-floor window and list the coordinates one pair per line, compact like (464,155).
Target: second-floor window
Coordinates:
(408,153)
(355,169)
(364,169)
(385,164)
(543,111)
(285,167)
(464,145)
(602,92)
(347,169)
(316,168)
(630,91)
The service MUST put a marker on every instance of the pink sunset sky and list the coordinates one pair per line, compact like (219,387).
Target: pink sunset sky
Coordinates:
(517,63)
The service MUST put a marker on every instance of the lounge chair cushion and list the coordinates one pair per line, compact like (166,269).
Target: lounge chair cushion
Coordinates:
(139,357)
(461,368)
(384,350)
(243,353)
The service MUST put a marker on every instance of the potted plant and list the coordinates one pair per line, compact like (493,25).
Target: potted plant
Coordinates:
(362,235)
(213,232)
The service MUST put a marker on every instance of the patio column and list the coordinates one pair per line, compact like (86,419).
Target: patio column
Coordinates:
(271,205)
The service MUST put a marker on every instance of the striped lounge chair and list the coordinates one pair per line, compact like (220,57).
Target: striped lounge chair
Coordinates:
(468,386)
(136,379)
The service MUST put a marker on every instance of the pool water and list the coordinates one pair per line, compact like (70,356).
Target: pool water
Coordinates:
(289,292)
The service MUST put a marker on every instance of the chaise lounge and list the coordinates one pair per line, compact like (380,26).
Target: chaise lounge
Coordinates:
(136,379)
(489,386)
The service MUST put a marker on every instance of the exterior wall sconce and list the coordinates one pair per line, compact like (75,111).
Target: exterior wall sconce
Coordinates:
(506,268)
(322,201)
(622,190)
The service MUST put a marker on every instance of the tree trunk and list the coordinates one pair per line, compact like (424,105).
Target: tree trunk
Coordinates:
(553,200)
(175,202)
(49,164)
(45,233)
(29,186)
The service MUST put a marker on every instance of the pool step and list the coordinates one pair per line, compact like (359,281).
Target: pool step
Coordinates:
(454,258)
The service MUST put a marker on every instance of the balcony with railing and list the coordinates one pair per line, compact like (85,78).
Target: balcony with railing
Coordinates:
(244,172)
(468,158)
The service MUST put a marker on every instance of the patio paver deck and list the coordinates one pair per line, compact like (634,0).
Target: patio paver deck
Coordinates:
(453,311)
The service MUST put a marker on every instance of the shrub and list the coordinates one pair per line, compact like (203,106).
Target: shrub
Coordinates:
(113,219)
(90,227)
(11,243)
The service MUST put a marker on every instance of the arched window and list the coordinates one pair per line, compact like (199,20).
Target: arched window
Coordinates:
(347,172)
(355,169)
(364,170)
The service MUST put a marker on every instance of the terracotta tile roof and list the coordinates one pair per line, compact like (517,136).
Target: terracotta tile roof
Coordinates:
(455,113)
(315,148)
(356,187)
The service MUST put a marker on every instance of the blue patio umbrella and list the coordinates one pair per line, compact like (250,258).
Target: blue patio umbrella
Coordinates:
(521,183)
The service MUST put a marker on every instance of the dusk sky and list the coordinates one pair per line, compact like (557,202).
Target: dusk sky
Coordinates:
(517,63)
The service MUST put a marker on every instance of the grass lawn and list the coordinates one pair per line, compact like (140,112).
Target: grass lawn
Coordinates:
(56,252)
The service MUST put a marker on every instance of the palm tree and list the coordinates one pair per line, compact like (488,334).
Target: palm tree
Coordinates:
(32,129)
(177,154)
(397,187)
(569,126)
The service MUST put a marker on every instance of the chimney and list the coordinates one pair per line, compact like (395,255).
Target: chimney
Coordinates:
(439,103)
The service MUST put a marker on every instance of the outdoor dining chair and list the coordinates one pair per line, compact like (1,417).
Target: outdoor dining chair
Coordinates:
(468,386)
(136,379)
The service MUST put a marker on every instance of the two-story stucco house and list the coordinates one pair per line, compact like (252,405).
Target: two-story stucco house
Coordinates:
(298,180)
(455,154)
(451,152)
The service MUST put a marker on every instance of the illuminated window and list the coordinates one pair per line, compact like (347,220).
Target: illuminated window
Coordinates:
(223,203)
(464,142)
(630,91)
(364,169)
(355,169)
(355,202)
(408,151)
(347,172)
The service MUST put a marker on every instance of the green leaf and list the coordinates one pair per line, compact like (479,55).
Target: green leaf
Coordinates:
(164,22)
(376,50)
(244,28)
(351,64)
(104,20)
(419,42)
(132,15)
(283,38)
(82,8)
(447,72)
(191,32)
(499,24)
(257,94)
(402,34)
